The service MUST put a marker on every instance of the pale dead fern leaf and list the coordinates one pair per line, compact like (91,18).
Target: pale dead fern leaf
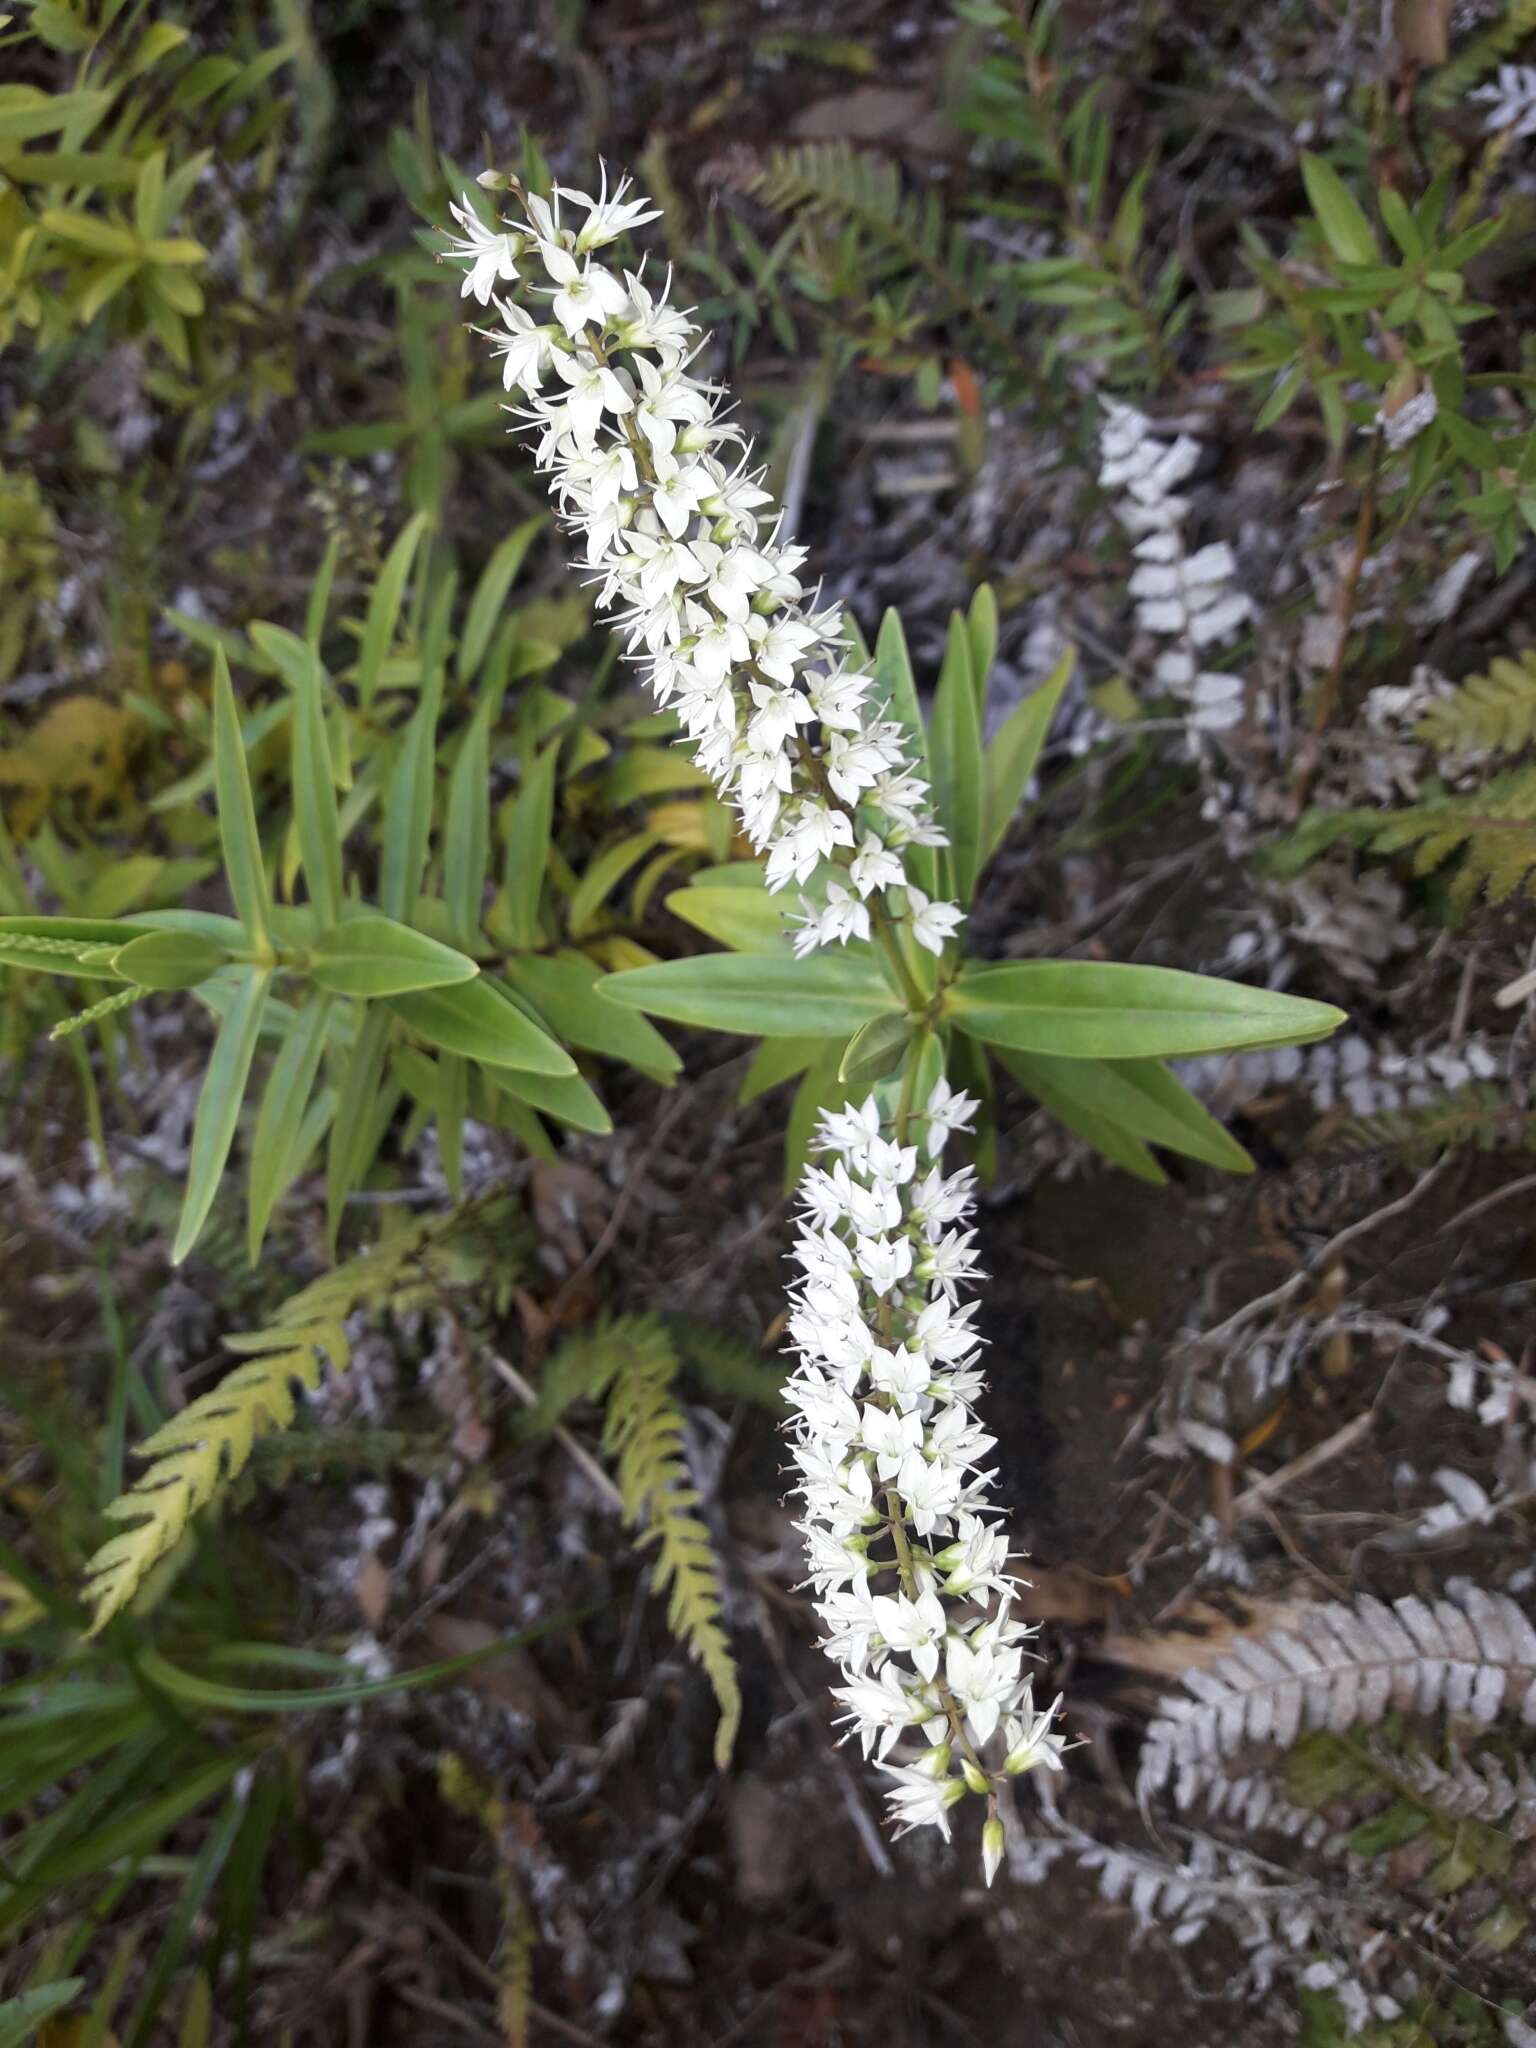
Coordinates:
(1339,1667)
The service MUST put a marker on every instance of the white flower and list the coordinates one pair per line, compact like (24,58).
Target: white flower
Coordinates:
(932,923)
(587,295)
(607,218)
(948,1110)
(874,866)
(884,1261)
(922,1798)
(491,255)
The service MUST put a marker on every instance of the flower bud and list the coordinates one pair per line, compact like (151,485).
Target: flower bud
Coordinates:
(975,1777)
(991,1848)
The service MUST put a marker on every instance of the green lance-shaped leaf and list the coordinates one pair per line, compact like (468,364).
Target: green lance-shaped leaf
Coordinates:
(169,960)
(314,794)
(355,1131)
(1080,1009)
(1013,753)
(237,813)
(748,920)
(528,841)
(478,1022)
(491,594)
(981,627)
(288,1090)
(570,1100)
(408,807)
(218,1106)
(1121,1106)
(467,827)
(562,987)
(954,758)
(376,956)
(874,1051)
(384,606)
(896,687)
(602,875)
(1345,227)
(758,995)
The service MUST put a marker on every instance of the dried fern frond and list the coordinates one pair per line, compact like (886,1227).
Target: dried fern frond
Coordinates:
(199,1453)
(643,1432)
(1476,1788)
(1343,1667)
(1491,713)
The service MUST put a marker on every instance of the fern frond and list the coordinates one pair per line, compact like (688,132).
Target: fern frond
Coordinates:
(1476,1788)
(1478,1114)
(1490,713)
(1344,1667)
(836,184)
(643,1432)
(1492,829)
(199,1453)
(195,1456)
(1453,81)
(729,1365)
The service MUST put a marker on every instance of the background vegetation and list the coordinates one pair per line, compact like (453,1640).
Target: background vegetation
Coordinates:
(399,1635)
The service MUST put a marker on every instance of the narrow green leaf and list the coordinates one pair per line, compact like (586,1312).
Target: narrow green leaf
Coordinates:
(563,988)
(289,1087)
(1013,753)
(20,2017)
(1081,1009)
(218,1106)
(1137,1097)
(477,1021)
(314,793)
(778,1060)
(408,811)
(352,1139)
(375,956)
(1067,1088)
(467,828)
(1345,227)
(823,996)
(748,920)
(491,594)
(384,606)
(528,841)
(87,231)
(874,1051)
(601,876)
(896,687)
(169,960)
(981,626)
(237,813)
(954,759)
(570,1101)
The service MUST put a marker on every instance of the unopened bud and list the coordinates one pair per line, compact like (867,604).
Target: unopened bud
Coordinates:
(991,1848)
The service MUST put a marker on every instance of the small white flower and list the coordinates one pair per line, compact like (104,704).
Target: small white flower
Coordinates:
(491,254)
(588,295)
(947,1111)
(932,923)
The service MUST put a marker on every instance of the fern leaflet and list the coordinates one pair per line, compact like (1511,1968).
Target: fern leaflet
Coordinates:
(199,1453)
(1492,713)
(1453,81)
(635,1361)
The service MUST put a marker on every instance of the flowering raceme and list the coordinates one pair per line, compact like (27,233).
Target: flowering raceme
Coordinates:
(658,488)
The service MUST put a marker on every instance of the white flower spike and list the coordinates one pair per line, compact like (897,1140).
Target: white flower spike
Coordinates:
(908,1568)
(671,516)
